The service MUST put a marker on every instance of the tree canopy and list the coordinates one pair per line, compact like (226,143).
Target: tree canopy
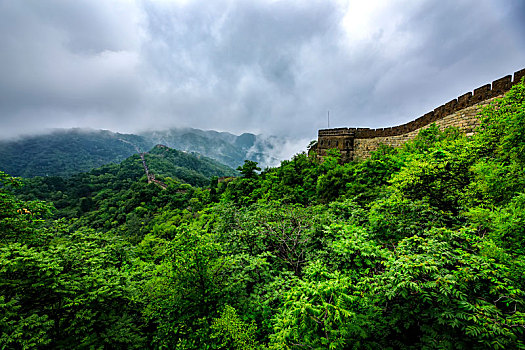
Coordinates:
(420,247)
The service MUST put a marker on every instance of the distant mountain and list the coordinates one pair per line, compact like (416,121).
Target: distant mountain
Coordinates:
(227,148)
(69,151)
(66,152)
(191,168)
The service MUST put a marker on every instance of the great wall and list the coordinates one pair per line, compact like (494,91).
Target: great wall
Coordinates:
(149,175)
(461,112)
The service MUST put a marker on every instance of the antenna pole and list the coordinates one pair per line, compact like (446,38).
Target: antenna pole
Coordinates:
(328,119)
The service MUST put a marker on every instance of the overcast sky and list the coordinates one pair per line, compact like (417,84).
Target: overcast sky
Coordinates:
(260,66)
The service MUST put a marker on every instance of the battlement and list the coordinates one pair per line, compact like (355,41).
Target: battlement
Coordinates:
(448,114)
(337,131)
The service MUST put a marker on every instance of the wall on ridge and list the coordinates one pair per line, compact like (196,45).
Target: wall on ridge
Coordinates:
(465,119)
(460,112)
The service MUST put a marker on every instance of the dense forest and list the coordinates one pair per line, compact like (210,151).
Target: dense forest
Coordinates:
(66,152)
(416,247)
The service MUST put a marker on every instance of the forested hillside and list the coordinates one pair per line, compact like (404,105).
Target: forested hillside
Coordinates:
(227,148)
(70,151)
(105,196)
(416,247)
(170,162)
(66,152)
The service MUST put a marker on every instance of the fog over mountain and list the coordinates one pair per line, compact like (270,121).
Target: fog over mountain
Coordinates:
(230,149)
(65,152)
(262,67)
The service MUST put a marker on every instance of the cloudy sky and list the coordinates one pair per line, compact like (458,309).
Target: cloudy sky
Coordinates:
(261,66)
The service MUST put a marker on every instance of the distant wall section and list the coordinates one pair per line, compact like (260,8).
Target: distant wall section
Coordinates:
(460,112)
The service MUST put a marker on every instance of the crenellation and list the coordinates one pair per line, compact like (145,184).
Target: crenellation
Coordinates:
(427,118)
(438,113)
(518,76)
(460,112)
(482,93)
(450,107)
(464,100)
(501,85)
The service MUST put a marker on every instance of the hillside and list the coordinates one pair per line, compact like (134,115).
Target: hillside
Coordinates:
(66,152)
(416,247)
(170,162)
(84,192)
(227,148)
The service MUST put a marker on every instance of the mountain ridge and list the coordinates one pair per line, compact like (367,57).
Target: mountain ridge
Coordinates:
(64,152)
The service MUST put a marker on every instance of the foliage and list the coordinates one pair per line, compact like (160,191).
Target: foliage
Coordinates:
(248,170)
(442,290)
(66,152)
(235,333)
(420,247)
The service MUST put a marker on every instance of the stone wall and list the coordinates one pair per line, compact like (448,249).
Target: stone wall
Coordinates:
(460,112)
(465,119)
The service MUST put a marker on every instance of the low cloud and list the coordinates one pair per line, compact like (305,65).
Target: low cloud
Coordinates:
(270,67)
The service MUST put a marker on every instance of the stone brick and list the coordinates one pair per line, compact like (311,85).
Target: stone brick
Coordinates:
(518,75)
(464,100)
(501,85)
(460,112)
(450,107)
(482,93)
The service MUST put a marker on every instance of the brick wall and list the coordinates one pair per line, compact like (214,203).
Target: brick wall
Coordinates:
(460,112)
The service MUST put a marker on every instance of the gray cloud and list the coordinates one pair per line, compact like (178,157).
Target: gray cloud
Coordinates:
(272,67)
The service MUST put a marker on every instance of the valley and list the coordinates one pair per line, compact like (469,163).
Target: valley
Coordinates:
(69,151)
(418,246)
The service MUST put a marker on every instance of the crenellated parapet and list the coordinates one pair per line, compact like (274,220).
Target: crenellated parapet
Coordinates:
(460,112)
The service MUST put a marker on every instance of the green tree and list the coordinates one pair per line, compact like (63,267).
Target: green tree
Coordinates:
(248,170)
